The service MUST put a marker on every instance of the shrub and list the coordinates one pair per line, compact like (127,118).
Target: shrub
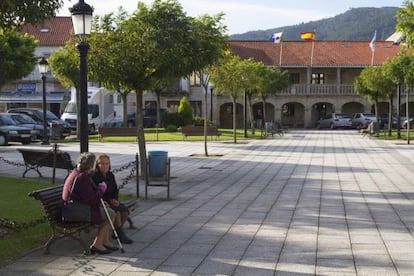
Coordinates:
(171,128)
(186,111)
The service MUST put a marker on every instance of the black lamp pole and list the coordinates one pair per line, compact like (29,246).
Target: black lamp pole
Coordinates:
(211,104)
(398,111)
(43,68)
(83,48)
(82,21)
(245,115)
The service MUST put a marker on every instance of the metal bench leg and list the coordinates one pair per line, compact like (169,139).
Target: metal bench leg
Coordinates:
(29,168)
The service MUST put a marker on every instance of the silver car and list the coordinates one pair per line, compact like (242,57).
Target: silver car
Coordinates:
(334,120)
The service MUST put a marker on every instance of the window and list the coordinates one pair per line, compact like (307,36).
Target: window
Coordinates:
(172,106)
(318,78)
(194,80)
(196,106)
(294,78)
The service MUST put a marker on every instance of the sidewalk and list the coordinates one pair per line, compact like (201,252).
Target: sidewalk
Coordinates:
(309,203)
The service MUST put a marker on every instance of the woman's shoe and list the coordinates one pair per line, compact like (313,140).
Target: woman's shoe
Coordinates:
(98,251)
(112,248)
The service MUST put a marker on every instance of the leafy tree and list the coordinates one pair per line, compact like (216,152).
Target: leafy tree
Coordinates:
(13,13)
(208,43)
(250,79)
(17,55)
(366,85)
(405,22)
(105,54)
(227,76)
(185,111)
(374,83)
(64,64)
(272,80)
(151,42)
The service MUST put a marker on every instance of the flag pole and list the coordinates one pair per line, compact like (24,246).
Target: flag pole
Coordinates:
(372,57)
(313,47)
(280,53)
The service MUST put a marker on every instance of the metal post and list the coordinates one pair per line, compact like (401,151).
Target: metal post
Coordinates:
(245,115)
(211,104)
(398,111)
(83,48)
(45,140)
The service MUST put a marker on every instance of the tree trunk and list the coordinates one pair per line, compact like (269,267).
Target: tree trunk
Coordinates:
(125,107)
(251,115)
(205,121)
(234,121)
(139,122)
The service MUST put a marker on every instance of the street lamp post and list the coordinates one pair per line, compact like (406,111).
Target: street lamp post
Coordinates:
(82,22)
(245,114)
(398,111)
(43,69)
(211,104)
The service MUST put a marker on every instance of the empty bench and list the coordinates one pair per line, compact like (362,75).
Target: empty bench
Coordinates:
(51,199)
(199,131)
(37,158)
(116,131)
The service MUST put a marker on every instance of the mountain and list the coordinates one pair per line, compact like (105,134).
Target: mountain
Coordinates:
(355,24)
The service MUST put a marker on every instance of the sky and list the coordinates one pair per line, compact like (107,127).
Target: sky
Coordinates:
(249,15)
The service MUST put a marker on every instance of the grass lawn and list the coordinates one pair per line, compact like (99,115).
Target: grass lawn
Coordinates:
(17,206)
(153,134)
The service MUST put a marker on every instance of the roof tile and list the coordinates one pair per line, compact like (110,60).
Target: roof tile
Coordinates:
(325,53)
(54,32)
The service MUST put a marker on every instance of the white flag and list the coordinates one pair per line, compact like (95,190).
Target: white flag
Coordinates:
(372,43)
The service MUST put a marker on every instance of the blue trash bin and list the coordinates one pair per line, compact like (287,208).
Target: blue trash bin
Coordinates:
(157,163)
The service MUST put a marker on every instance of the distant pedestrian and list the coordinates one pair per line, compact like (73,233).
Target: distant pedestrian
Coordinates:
(259,119)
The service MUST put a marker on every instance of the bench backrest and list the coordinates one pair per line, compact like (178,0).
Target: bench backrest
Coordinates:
(117,131)
(51,199)
(46,158)
(211,130)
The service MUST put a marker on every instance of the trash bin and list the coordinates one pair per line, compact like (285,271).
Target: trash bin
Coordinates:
(157,163)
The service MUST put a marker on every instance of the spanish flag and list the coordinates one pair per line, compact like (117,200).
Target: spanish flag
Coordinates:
(307,36)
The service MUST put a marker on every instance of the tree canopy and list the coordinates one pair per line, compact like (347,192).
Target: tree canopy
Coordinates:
(17,55)
(15,12)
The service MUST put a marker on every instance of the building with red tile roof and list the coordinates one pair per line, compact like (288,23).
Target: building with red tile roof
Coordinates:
(322,75)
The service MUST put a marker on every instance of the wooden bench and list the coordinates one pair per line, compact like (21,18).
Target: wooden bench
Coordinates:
(116,131)
(199,131)
(51,199)
(274,128)
(36,158)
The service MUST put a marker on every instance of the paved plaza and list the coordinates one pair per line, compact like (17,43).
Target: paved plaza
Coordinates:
(308,203)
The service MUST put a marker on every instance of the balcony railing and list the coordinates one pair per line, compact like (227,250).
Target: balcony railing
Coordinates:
(319,89)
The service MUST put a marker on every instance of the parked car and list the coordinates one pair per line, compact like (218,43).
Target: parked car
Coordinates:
(362,120)
(384,120)
(335,120)
(60,128)
(150,117)
(24,120)
(10,132)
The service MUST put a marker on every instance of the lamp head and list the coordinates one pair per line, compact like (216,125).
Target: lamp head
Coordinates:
(43,66)
(81,18)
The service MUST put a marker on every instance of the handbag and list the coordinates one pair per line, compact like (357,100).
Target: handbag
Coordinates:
(75,211)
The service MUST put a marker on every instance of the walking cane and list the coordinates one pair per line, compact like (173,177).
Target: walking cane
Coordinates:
(112,225)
